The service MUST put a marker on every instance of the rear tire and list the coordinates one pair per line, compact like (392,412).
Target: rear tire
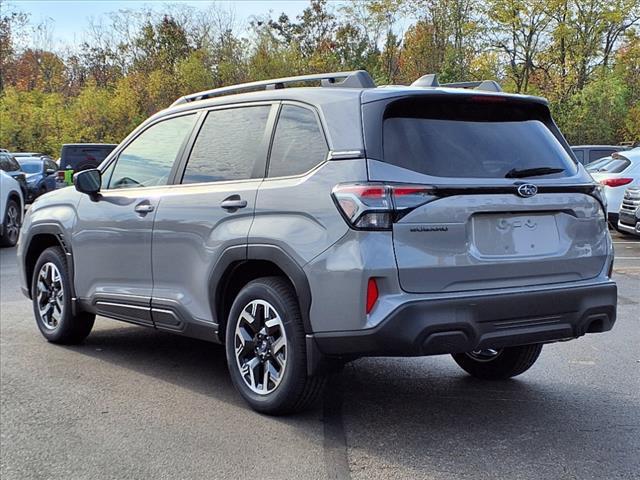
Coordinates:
(264,333)
(499,364)
(51,294)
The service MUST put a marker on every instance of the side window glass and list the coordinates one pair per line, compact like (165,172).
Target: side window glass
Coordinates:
(228,146)
(148,159)
(298,145)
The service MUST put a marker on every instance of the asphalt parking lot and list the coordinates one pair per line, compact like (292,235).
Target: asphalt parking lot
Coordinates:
(135,403)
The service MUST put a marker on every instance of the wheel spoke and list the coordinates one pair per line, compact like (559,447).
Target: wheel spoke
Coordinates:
(265,379)
(278,345)
(273,373)
(244,341)
(250,370)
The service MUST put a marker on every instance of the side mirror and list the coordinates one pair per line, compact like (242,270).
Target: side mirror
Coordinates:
(50,171)
(88,181)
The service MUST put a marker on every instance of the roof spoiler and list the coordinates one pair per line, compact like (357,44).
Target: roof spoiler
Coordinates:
(431,80)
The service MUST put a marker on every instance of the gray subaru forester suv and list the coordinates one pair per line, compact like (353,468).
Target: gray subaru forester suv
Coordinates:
(305,227)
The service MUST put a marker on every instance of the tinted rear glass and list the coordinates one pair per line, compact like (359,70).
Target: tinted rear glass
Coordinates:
(610,165)
(78,156)
(471,139)
(598,154)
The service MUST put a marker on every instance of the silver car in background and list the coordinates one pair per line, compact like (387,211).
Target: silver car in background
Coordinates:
(616,173)
(629,217)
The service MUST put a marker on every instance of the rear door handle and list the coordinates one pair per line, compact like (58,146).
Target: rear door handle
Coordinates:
(144,208)
(233,202)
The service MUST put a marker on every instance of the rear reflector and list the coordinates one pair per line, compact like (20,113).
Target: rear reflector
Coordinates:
(372,294)
(616,182)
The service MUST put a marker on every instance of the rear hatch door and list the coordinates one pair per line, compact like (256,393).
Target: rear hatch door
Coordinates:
(510,206)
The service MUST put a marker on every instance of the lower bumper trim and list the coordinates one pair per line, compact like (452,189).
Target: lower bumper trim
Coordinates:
(430,327)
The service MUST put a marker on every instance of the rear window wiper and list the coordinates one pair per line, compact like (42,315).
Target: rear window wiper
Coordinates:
(532,172)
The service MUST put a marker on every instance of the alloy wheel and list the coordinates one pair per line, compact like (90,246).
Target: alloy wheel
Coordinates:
(50,295)
(260,347)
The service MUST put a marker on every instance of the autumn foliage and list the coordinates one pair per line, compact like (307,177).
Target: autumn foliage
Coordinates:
(583,55)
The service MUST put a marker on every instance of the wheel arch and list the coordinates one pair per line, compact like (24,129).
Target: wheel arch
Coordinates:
(16,197)
(40,238)
(239,265)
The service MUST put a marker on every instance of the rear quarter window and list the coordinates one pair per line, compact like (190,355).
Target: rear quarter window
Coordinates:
(460,138)
(298,144)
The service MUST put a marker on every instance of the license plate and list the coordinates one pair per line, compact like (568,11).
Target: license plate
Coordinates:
(515,235)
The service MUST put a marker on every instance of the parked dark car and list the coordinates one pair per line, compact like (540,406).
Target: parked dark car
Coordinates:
(587,154)
(10,165)
(41,175)
(83,156)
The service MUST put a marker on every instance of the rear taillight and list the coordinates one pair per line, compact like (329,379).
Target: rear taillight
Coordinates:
(616,182)
(375,206)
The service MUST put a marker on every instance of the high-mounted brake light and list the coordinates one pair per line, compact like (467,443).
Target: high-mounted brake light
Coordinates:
(487,99)
(615,182)
(375,206)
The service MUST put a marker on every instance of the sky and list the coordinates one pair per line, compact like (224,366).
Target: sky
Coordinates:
(70,18)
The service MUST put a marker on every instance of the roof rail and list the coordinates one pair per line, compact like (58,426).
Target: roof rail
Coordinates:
(354,79)
(431,80)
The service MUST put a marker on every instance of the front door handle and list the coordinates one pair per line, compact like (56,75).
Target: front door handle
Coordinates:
(233,202)
(144,208)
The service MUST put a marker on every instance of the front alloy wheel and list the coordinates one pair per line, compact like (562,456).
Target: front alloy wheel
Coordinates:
(261,347)
(50,296)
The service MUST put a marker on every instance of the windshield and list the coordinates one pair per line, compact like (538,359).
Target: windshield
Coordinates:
(477,140)
(32,166)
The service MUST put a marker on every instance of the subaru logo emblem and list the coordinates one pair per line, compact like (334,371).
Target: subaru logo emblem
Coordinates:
(527,190)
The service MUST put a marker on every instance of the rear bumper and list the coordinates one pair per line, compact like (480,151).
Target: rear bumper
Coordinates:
(431,327)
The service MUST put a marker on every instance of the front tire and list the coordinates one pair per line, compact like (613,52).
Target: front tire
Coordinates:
(266,350)
(51,294)
(491,364)
(11,224)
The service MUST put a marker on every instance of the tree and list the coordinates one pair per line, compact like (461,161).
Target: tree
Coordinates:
(520,27)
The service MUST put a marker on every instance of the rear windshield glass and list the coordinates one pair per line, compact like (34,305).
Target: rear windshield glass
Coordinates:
(611,165)
(96,153)
(31,166)
(471,139)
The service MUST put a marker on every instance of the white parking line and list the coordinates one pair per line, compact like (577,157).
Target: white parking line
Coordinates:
(627,258)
